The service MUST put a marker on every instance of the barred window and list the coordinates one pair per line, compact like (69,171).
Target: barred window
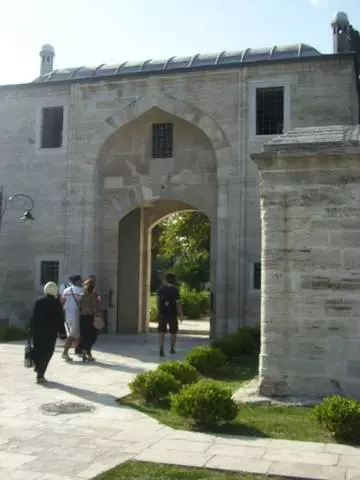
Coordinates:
(52,127)
(49,271)
(257,276)
(269,111)
(162,140)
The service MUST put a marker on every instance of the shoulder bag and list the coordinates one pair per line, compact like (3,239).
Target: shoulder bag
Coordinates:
(98,321)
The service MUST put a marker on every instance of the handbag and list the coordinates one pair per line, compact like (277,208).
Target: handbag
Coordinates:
(98,321)
(29,353)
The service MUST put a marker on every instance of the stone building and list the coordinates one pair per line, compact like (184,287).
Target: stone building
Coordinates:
(106,152)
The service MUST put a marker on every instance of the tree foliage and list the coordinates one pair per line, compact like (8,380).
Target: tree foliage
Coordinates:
(183,242)
(185,235)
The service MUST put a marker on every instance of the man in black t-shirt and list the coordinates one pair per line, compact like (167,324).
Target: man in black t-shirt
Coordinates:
(169,308)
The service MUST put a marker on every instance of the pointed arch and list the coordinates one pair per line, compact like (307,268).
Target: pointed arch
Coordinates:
(176,107)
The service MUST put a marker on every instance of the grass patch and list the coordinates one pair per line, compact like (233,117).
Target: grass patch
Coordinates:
(152,471)
(235,375)
(290,423)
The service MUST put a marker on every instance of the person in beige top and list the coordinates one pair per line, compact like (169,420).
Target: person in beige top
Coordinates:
(89,307)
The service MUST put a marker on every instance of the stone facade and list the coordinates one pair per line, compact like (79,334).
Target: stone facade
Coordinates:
(104,171)
(311,269)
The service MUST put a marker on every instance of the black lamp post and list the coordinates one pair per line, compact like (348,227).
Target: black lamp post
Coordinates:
(27,215)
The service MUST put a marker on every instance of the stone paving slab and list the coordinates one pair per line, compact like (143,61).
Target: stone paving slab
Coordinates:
(308,471)
(39,446)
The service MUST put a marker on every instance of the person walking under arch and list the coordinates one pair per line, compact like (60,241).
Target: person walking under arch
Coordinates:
(79,348)
(169,309)
(89,306)
(46,323)
(71,302)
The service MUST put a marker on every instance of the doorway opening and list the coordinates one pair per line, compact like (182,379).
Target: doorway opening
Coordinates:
(155,238)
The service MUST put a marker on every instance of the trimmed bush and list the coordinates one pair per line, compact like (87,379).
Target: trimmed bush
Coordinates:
(12,333)
(340,416)
(206,359)
(244,342)
(194,303)
(206,403)
(181,371)
(155,386)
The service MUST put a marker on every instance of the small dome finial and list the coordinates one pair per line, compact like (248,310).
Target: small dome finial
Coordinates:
(47,54)
(341,38)
(340,18)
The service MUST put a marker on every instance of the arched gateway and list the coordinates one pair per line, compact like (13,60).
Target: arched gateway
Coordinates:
(139,185)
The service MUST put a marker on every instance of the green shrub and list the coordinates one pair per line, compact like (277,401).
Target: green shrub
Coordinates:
(205,402)
(255,332)
(153,314)
(204,297)
(340,416)
(206,359)
(12,333)
(194,303)
(246,341)
(155,386)
(181,371)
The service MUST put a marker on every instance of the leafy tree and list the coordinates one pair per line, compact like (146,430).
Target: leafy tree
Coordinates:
(184,241)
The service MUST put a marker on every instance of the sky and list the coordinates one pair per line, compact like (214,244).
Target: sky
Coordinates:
(92,32)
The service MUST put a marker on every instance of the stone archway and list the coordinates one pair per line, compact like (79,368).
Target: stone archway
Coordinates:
(97,201)
(130,178)
(134,262)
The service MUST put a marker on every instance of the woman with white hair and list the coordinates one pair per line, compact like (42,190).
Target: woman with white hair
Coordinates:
(47,322)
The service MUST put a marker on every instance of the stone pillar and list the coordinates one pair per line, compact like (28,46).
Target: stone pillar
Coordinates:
(310,302)
(144,272)
(128,311)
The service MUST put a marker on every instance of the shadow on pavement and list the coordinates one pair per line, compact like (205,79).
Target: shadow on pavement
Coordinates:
(100,398)
(145,347)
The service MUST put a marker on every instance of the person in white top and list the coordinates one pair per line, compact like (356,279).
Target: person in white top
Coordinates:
(70,299)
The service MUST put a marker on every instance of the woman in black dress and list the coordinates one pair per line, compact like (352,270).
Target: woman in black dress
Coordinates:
(89,307)
(47,322)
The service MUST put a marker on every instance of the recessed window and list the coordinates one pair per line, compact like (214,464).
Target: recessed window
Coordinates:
(270,111)
(52,127)
(257,276)
(49,271)
(162,140)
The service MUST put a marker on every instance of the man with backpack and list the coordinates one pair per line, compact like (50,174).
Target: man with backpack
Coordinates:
(169,309)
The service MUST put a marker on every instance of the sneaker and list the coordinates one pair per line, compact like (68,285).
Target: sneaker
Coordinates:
(172,351)
(41,381)
(162,354)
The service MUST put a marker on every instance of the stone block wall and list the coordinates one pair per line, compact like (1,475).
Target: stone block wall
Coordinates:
(311,273)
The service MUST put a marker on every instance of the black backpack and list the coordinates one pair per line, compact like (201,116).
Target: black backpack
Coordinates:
(167,304)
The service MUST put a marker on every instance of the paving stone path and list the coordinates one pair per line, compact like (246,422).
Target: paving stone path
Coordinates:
(37,445)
